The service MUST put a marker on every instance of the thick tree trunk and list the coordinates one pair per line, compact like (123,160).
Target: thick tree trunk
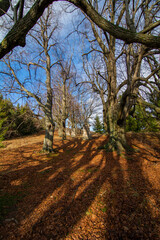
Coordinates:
(49,133)
(73,132)
(60,131)
(117,137)
(86,132)
(116,130)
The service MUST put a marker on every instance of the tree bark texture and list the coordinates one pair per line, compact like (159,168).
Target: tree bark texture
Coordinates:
(64,105)
(49,133)
(117,138)
(86,132)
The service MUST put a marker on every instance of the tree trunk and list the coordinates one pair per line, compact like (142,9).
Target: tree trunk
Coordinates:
(63,121)
(86,132)
(64,129)
(68,132)
(60,131)
(117,137)
(105,121)
(73,132)
(49,132)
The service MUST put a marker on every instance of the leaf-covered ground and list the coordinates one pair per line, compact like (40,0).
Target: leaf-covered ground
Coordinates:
(80,192)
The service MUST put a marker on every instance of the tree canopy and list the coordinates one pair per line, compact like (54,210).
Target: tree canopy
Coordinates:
(119,72)
(17,34)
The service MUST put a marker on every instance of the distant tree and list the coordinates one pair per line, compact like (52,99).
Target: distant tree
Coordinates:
(143,120)
(65,74)
(137,121)
(37,88)
(25,121)
(74,115)
(87,109)
(97,125)
(6,115)
(154,98)
(16,121)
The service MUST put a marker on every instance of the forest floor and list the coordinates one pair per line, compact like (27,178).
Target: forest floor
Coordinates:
(80,191)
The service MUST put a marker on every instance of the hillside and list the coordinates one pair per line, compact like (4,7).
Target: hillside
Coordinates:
(80,191)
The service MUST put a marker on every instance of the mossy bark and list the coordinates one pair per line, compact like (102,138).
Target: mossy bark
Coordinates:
(49,133)
(116,130)
(117,140)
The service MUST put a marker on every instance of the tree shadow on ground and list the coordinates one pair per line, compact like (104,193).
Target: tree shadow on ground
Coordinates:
(133,205)
(50,188)
(80,192)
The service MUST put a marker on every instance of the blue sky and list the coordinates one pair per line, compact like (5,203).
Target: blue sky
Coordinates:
(70,41)
(66,36)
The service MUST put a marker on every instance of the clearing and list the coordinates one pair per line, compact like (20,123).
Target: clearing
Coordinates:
(80,191)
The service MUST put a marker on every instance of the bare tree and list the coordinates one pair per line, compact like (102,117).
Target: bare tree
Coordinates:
(82,107)
(45,41)
(65,75)
(74,116)
(97,83)
(118,96)
(88,107)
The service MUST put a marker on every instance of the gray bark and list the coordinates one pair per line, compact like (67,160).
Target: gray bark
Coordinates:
(49,133)
(73,132)
(86,132)
(64,105)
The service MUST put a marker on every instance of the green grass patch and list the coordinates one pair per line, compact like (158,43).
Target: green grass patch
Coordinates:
(89,212)
(82,170)
(54,154)
(104,209)
(55,151)
(2,145)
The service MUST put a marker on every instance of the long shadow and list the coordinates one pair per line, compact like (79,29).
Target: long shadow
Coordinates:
(149,146)
(133,206)
(53,192)
(61,190)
